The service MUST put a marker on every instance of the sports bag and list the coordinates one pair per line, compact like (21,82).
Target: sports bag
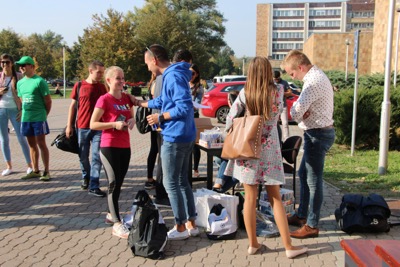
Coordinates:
(148,235)
(67,144)
(221,225)
(141,119)
(358,213)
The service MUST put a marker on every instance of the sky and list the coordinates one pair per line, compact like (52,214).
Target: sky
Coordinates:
(69,17)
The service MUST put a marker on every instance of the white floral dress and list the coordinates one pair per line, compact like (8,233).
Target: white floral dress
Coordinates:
(268,170)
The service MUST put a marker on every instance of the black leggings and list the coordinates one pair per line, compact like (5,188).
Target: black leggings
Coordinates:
(152,157)
(115,162)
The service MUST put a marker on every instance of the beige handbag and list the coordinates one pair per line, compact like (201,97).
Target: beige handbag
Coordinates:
(243,141)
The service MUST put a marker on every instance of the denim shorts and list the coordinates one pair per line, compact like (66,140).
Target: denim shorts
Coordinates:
(34,128)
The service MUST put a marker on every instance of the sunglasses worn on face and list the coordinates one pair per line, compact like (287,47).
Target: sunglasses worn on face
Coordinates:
(22,66)
(5,62)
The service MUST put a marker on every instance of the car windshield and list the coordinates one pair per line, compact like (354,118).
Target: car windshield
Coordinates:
(211,88)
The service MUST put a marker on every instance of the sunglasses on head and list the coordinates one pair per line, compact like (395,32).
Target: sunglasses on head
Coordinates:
(5,62)
(151,52)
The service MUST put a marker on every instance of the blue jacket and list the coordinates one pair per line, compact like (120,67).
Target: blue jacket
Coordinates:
(176,99)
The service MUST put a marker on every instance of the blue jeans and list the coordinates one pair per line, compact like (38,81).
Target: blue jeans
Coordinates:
(316,143)
(175,165)
(11,114)
(90,171)
(227,182)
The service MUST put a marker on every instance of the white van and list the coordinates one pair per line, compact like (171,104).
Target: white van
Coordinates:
(229,78)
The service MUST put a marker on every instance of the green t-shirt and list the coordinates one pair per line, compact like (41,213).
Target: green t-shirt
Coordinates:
(32,91)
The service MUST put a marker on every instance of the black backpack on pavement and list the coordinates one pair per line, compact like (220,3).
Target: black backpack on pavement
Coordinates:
(358,213)
(148,235)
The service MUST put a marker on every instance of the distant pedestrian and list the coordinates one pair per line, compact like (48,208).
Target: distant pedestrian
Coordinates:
(10,110)
(114,115)
(36,105)
(89,92)
(284,114)
(314,113)
(58,91)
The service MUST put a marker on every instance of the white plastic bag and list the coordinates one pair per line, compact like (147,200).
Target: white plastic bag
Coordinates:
(205,199)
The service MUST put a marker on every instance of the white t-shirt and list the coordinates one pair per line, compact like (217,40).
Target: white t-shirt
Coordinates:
(7,100)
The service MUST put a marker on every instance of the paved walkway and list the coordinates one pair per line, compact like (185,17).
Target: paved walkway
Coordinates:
(58,224)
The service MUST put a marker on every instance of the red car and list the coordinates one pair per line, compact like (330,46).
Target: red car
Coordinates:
(217,99)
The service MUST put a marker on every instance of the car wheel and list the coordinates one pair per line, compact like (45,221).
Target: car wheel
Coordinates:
(222,112)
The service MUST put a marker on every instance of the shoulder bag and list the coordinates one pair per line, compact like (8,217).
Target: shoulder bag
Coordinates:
(69,144)
(243,140)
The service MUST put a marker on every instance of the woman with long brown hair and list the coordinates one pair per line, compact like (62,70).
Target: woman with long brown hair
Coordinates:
(10,110)
(261,96)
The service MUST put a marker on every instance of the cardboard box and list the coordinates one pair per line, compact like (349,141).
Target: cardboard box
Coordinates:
(209,144)
(201,125)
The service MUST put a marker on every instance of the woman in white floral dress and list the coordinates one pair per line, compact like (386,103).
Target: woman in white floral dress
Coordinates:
(261,96)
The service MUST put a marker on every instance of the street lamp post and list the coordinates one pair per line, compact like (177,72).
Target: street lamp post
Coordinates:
(397,48)
(347,58)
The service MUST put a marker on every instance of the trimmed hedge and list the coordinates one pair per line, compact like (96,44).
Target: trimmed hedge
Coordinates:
(368,117)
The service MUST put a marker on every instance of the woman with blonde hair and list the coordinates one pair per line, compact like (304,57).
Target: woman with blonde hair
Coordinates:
(113,114)
(261,96)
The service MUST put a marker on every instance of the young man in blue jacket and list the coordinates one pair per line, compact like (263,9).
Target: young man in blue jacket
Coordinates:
(176,120)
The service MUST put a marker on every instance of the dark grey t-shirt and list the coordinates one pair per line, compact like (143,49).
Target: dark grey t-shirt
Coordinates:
(157,91)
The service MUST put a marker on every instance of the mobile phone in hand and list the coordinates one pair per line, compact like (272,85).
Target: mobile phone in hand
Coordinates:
(121,118)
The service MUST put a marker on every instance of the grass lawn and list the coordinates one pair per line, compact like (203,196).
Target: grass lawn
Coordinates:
(359,174)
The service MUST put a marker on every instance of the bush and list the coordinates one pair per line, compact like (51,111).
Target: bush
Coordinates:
(368,117)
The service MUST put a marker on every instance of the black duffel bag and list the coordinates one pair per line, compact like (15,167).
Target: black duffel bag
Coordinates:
(148,235)
(358,213)
(67,144)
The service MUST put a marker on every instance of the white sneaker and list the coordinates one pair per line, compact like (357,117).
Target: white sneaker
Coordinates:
(29,170)
(173,234)
(6,172)
(120,230)
(194,231)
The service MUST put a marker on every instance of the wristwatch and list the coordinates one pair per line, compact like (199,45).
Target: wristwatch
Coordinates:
(161,118)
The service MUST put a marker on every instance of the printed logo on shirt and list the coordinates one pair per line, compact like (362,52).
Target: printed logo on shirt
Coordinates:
(121,107)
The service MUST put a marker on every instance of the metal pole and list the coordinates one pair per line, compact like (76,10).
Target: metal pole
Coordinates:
(385,115)
(64,68)
(355,100)
(353,128)
(347,58)
(243,66)
(397,49)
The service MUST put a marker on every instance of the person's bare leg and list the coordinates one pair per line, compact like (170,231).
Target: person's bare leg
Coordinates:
(280,217)
(34,151)
(249,213)
(44,151)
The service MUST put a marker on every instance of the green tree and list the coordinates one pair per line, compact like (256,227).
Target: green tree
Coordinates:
(10,43)
(46,49)
(224,61)
(190,24)
(110,41)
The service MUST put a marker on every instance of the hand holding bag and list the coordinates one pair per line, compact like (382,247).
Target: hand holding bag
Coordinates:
(243,141)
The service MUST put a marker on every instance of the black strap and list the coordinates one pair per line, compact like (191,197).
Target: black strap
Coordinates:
(77,103)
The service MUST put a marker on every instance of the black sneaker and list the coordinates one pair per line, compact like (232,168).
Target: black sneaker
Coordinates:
(97,192)
(150,185)
(85,184)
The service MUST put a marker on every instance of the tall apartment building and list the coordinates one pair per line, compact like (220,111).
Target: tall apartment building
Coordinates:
(282,27)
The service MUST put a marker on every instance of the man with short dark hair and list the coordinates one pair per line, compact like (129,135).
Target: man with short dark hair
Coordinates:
(85,95)
(176,120)
(36,104)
